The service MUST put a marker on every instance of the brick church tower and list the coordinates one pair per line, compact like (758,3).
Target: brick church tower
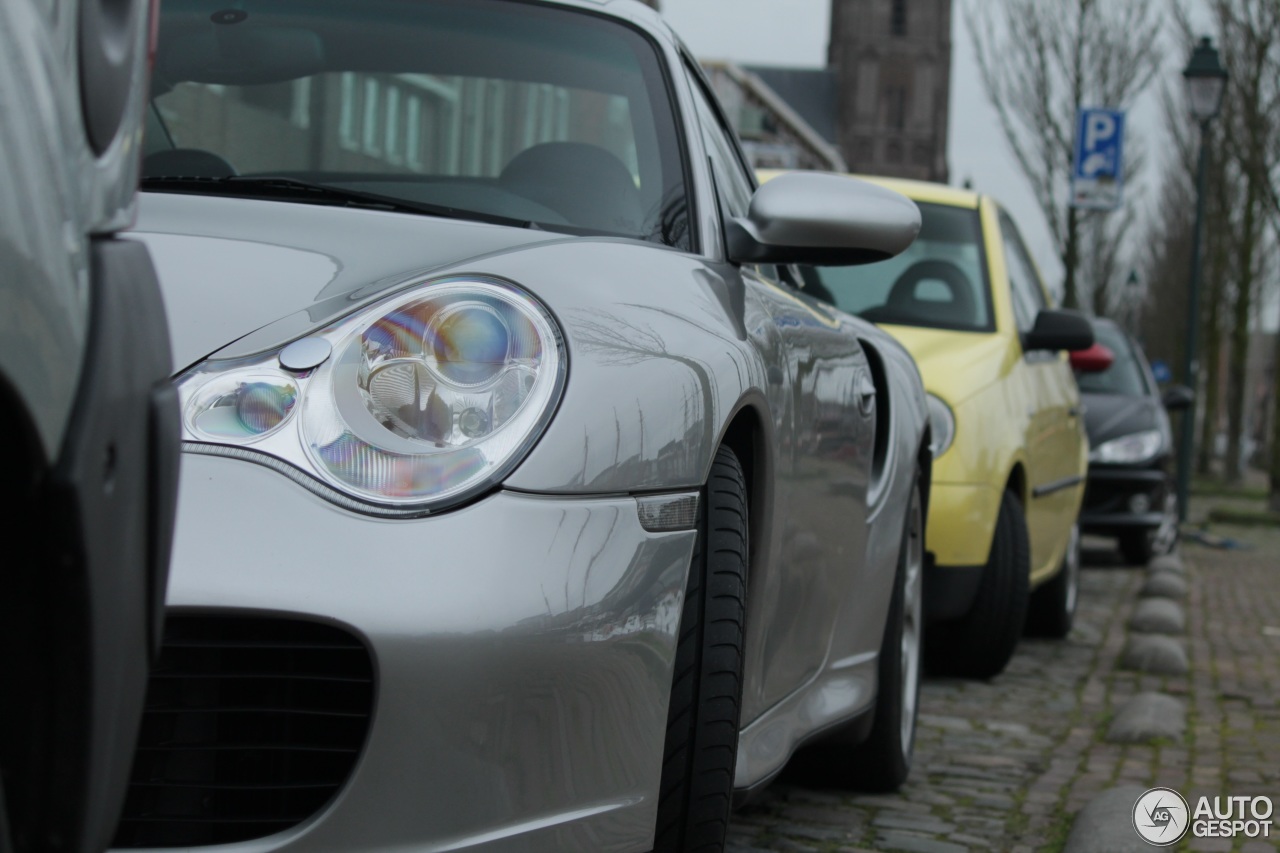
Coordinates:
(892,63)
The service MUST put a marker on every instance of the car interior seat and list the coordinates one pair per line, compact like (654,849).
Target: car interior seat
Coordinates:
(908,300)
(585,184)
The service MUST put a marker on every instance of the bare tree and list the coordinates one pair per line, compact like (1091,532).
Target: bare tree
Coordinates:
(1040,62)
(1166,236)
(1249,33)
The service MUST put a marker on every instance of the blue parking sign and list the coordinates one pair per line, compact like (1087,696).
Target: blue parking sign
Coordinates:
(1097,177)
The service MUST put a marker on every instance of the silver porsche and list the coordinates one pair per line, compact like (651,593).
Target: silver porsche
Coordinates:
(528,502)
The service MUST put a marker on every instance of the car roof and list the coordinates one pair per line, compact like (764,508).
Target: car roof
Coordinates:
(927,191)
(628,9)
(1107,321)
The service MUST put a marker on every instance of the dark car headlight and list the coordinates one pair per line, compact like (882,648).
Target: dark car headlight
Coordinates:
(1129,449)
(427,398)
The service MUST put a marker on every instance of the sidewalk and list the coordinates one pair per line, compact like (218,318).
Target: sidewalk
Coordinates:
(1006,765)
(1234,693)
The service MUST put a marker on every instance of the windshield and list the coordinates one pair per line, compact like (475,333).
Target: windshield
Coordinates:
(1124,376)
(537,114)
(940,281)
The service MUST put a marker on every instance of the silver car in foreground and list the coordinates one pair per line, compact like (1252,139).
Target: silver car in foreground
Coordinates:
(525,504)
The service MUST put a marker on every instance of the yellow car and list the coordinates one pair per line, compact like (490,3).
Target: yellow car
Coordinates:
(1010,452)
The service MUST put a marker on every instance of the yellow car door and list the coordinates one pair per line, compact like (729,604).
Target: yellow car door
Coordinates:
(1055,457)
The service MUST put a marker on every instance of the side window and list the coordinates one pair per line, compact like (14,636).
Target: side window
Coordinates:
(734,187)
(1024,282)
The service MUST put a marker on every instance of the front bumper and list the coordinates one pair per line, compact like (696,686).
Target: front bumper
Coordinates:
(522,652)
(1111,493)
(962,522)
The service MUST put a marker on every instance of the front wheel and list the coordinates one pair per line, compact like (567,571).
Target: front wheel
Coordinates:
(981,643)
(701,749)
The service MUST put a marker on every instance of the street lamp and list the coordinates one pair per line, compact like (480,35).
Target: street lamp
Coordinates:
(1206,82)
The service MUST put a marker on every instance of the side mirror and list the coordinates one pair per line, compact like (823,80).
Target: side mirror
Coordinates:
(1178,397)
(1057,329)
(824,219)
(1095,359)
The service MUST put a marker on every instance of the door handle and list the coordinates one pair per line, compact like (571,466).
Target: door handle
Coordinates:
(1075,411)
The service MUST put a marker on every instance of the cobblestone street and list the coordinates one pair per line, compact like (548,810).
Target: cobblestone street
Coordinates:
(1006,764)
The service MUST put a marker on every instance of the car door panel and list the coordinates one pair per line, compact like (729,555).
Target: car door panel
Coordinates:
(822,477)
(817,526)
(1053,431)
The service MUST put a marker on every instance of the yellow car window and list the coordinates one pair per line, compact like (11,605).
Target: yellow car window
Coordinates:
(939,282)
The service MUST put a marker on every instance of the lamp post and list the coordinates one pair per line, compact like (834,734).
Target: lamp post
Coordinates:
(1206,81)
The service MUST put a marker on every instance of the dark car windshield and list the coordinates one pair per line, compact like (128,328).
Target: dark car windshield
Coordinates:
(531,113)
(1126,373)
(940,281)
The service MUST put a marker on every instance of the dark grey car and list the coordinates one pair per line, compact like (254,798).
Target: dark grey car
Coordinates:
(1130,494)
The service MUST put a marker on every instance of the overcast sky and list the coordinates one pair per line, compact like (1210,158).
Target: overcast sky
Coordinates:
(795,33)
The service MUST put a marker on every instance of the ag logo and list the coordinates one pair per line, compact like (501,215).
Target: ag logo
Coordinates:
(1161,816)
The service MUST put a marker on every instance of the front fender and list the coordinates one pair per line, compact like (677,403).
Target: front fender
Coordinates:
(660,358)
(970,478)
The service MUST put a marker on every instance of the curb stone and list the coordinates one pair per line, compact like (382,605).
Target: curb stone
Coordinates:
(1164,584)
(1148,716)
(1155,653)
(1158,616)
(1167,563)
(1105,824)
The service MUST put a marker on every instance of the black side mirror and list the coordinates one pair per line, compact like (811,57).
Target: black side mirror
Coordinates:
(1058,329)
(1178,397)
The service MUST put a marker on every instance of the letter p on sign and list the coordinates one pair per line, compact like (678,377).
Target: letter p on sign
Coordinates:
(1098,127)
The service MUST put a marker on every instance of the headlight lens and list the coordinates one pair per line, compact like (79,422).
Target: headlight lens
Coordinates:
(1129,449)
(942,424)
(243,407)
(427,399)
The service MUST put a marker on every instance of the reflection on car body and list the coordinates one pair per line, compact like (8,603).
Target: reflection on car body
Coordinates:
(518,509)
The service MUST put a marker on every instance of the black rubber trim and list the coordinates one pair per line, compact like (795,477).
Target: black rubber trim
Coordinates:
(1113,522)
(83,608)
(1137,476)
(1055,486)
(949,590)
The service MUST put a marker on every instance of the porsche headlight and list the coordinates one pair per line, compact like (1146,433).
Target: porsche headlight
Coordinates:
(427,398)
(1129,449)
(942,425)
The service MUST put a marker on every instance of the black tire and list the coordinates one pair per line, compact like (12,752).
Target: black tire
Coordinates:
(701,749)
(882,762)
(981,643)
(1137,547)
(1053,605)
